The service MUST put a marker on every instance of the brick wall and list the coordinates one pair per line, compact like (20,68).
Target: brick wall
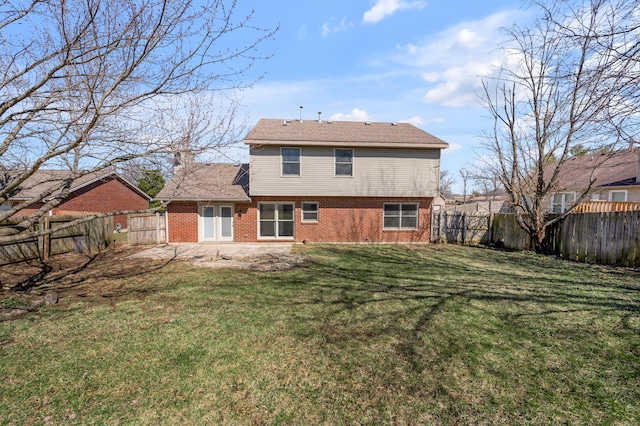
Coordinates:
(183,221)
(340,220)
(105,195)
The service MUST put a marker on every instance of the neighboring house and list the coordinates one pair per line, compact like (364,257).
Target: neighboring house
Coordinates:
(315,181)
(99,192)
(617,178)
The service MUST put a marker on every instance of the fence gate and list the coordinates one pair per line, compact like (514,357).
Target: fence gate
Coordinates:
(461,227)
(147,228)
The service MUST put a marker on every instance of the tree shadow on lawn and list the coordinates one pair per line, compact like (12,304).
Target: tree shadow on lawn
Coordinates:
(81,275)
(441,305)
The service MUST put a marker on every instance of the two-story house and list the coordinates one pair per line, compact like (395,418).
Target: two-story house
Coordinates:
(315,181)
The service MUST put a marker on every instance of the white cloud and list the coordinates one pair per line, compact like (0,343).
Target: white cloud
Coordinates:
(356,114)
(419,121)
(453,147)
(430,77)
(384,8)
(453,62)
(332,26)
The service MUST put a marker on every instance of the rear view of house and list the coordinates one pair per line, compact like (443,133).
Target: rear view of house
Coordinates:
(315,181)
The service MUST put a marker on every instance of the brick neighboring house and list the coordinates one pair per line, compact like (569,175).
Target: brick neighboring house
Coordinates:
(315,181)
(617,178)
(99,192)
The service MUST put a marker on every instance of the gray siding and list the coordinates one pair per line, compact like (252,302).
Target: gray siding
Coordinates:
(377,172)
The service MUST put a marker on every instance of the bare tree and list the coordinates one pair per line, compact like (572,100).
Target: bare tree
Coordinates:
(88,85)
(570,78)
(487,182)
(465,175)
(446,182)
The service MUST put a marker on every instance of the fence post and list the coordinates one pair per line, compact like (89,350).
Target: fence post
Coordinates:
(463,224)
(46,241)
(157,216)
(490,226)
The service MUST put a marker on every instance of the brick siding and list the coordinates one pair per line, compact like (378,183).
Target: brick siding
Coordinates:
(105,195)
(183,221)
(340,219)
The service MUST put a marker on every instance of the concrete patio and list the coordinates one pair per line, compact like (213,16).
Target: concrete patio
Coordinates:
(213,251)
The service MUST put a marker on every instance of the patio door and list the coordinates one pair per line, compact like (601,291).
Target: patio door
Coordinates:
(216,223)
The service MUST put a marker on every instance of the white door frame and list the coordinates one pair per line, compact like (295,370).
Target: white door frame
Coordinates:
(214,228)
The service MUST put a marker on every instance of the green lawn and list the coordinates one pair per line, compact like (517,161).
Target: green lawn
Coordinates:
(359,335)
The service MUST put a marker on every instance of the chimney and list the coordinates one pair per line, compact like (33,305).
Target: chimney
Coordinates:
(183,156)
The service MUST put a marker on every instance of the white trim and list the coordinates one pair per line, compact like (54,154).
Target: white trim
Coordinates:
(401,203)
(299,162)
(563,204)
(217,222)
(611,191)
(392,145)
(302,212)
(276,237)
(335,163)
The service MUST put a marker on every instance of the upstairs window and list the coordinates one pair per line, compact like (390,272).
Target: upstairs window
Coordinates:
(562,201)
(400,216)
(290,161)
(344,162)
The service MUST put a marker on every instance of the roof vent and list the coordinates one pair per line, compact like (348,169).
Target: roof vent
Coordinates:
(329,121)
(301,113)
(367,123)
(284,123)
(319,116)
(394,123)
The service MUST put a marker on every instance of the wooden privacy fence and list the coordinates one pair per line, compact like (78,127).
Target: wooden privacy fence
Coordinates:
(147,228)
(86,237)
(604,238)
(461,227)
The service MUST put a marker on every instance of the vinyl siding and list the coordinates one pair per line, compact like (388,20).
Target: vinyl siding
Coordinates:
(377,172)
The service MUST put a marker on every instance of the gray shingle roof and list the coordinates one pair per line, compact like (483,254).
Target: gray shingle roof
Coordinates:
(348,133)
(620,169)
(200,182)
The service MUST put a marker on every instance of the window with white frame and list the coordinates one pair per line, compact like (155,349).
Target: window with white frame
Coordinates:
(275,220)
(620,195)
(344,162)
(309,212)
(562,201)
(290,161)
(400,216)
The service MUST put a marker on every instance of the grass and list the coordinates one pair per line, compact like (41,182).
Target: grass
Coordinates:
(360,335)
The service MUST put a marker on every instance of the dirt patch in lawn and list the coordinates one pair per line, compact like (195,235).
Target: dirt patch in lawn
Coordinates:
(107,277)
(263,263)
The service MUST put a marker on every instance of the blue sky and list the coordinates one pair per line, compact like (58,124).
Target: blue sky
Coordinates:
(418,61)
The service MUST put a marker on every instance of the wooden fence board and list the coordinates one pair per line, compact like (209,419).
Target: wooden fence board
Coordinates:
(146,228)
(607,238)
(89,236)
